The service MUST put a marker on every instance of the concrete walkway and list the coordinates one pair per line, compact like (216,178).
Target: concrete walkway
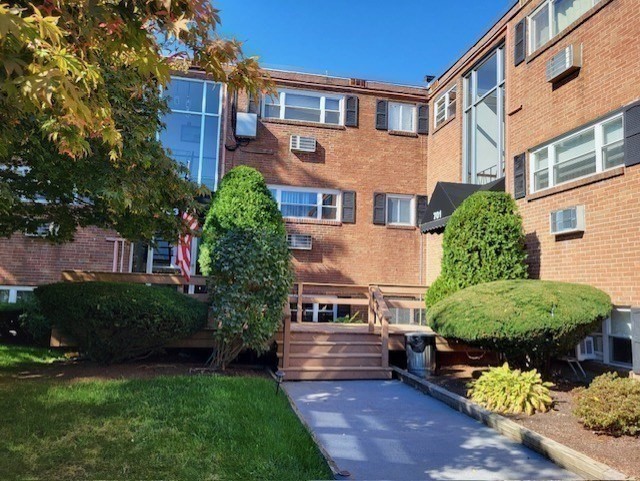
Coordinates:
(385,430)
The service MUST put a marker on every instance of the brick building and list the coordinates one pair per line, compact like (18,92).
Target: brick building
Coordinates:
(544,100)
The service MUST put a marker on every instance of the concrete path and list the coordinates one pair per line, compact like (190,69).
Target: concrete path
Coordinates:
(385,430)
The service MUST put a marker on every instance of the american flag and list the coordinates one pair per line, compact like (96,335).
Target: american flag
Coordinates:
(184,245)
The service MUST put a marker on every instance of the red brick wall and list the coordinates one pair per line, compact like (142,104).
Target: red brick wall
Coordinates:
(28,261)
(607,255)
(361,159)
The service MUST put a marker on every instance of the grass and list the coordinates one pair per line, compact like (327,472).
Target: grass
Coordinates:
(19,356)
(179,428)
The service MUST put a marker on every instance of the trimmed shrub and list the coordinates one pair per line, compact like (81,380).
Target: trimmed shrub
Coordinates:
(483,242)
(113,322)
(610,405)
(242,201)
(527,320)
(249,284)
(34,323)
(504,390)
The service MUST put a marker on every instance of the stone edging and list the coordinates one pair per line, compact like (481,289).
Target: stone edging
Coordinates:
(560,454)
(325,454)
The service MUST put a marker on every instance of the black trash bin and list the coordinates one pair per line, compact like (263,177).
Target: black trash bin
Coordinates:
(421,353)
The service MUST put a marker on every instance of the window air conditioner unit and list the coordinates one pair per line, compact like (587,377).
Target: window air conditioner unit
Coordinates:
(567,221)
(564,63)
(302,144)
(299,241)
(246,125)
(586,349)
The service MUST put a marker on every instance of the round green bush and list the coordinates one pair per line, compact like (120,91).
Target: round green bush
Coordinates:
(527,320)
(483,242)
(248,286)
(242,201)
(610,405)
(113,322)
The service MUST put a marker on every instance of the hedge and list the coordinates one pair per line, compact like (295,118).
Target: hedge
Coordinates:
(242,201)
(117,321)
(483,242)
(527,320)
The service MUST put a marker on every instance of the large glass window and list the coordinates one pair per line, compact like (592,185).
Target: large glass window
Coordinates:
(193,127)
(484,120)
(445,107)
(593,149)
(552,17)
(302,203)
(305,106)
(402,117)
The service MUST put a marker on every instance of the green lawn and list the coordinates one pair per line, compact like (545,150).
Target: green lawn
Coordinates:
(178,428)
(18,356)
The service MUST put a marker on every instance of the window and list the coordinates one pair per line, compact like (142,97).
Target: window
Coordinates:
(403,315)
(484,120)
(400,209)
(13,294)
(445,106)
(315,312)
(402,117)
(619,337)
(552,17)
(303,203)
(193,127)
(594,149)
(305,106)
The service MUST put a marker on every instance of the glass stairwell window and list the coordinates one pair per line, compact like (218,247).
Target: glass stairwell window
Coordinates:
(193,127)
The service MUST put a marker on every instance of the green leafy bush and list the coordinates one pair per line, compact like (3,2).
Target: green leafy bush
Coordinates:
(242,201)
(9,318)
(249,283)
(504,390)
(483,242)
(610,405)
(34,322)
(351,319)
(527,320)
(117,321)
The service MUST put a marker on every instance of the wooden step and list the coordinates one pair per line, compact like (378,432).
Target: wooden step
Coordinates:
(326,347)
(335,373)
(334,337)
(335,360)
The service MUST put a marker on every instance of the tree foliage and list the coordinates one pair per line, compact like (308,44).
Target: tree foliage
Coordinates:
(117,321)
(80,109)
(245,254)
(529,321)
(242,201)
(483,242)
(249,281)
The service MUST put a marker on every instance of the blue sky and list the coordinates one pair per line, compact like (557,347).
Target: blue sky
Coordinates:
(396,41)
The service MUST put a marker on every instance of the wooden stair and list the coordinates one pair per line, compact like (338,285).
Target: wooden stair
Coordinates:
(327,355)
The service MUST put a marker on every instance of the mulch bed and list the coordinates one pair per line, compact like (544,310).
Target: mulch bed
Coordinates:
(559,424)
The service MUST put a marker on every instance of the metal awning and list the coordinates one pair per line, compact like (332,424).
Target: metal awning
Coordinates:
(446,198)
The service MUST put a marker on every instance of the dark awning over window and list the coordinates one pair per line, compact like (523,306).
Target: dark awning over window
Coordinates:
(446,198)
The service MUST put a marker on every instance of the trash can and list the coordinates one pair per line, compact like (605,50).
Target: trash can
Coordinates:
(421,353)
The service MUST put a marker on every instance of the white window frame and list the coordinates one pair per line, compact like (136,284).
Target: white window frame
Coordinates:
(316,311)
(606,337)
(403,105)
(282,97)
(203,115)
(412,207)
(444,102)
(469,110)
(13,292)
(553,32)
(599,146)
(319,193)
